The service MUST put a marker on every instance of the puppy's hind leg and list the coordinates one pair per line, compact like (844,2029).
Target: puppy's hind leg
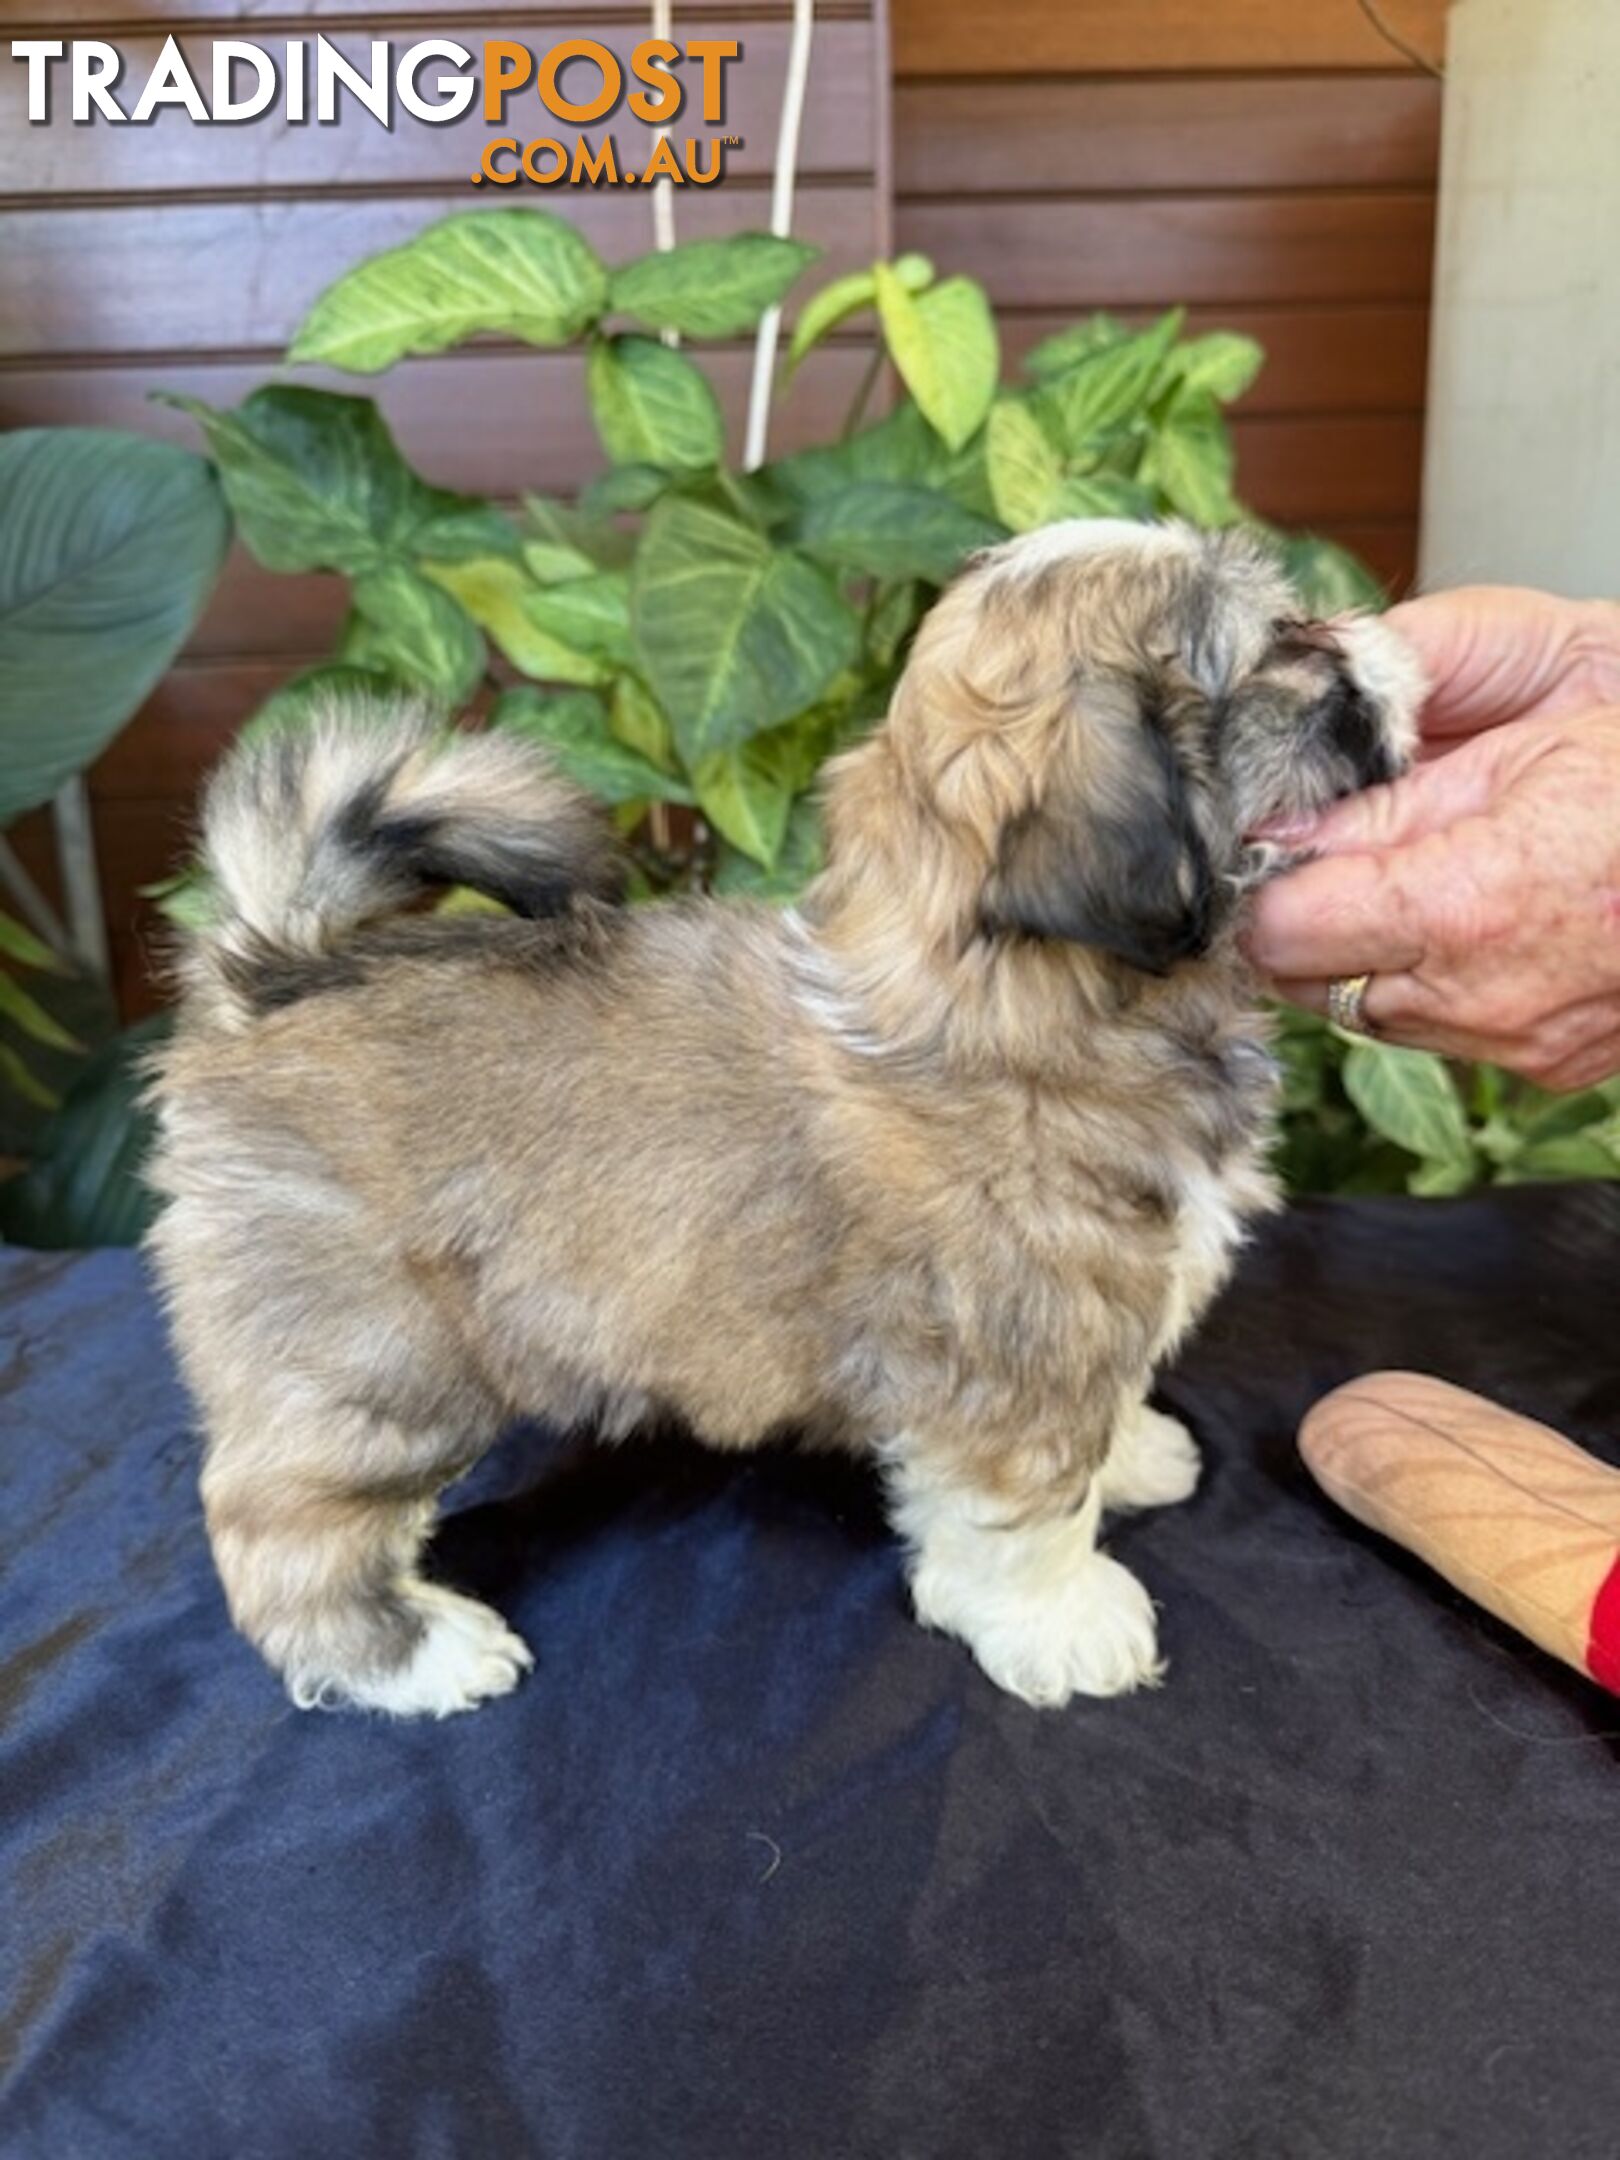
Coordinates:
(1046,1614)
(318,1513)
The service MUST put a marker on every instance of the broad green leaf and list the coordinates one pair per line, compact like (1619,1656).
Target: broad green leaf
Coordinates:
(588,614)
(891,621)
(710,288)
(747,793)
(734,635)
(1570,1155)
(554,562)
(1222,362)
(414,629)
(1053,354)
(520,273)
(85,1185)
(27,1014)
(498,594)
(1409,1097)
(639,722)
(1111,386)
(887,531)
(1438,1180)
(846,296)
(798,860)
(652,406)
(1031,484)
(944,343)
(901,447)
(625,487)
(20,944)
(1189,460)
(1327,577)
(573,725)
(354,688)
(317,484)
(109,547)
(188,899)
(580,530)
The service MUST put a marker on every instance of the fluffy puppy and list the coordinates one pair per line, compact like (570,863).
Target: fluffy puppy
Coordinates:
(939,1166)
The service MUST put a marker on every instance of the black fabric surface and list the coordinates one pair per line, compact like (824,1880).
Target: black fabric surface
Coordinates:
(751,1865)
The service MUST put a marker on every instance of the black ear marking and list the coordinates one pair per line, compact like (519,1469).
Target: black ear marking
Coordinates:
(1135,883)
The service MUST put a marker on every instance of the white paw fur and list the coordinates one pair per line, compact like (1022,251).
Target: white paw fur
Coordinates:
(1047,1616)
(1153,1462)
(465,1655)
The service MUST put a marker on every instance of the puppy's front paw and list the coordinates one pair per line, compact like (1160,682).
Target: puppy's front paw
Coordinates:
(1092,1633)
(466,1653)
(1153,1462)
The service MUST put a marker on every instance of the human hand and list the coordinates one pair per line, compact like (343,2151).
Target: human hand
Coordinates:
(1498,653)
(1482,891)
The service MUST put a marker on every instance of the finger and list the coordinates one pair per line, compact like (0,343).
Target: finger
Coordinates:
(1397,1009)
(1495,653)
(1426,800)
(1347,915)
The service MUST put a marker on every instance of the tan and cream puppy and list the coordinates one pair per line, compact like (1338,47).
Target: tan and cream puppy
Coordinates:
(939,1166)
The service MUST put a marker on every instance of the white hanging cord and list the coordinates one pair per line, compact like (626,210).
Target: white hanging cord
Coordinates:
(787,159)
(663,194)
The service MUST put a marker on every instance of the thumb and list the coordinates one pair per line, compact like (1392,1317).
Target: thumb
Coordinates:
(1423,801)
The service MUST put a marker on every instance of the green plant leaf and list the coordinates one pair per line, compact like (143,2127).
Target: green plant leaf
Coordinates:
(554,562)
(573,725)
(798,860)
(581,530)
(1568,1155)
(1099,393)
(625,487)
(519,273)
(652,406)
(710,288)
(639,721)
(498,595)
(887,531)
(1221,362)
(1409,1097)
(901,448)
(296,703)
(944,344)
(1065,347)
(734,635)
(21,1080)
(85,1186)
(1030,483)
(20,944)
(747,793)
(587,614)
(891,620)
(1327,577)
(846,296)
(187,899)
(317,484)
(1189,460)
(109,547)
(412,628)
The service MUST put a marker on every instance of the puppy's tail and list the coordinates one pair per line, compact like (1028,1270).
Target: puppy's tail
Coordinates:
(314,830)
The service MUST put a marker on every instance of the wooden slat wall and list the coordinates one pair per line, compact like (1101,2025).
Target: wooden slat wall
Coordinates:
(179,258)
(1270,162)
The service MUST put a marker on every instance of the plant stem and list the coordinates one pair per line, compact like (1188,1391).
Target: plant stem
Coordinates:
(863,392)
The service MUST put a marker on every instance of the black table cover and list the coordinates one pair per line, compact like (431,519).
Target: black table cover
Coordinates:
(752,1866)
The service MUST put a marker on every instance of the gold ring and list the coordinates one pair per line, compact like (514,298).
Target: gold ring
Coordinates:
(1345,999)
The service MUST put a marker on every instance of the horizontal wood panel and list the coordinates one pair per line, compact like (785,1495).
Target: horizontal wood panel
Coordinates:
(491,422)
(1026,37)
(1221,249)
(228,277)
(1110,138)
(1318,359)
(275,156)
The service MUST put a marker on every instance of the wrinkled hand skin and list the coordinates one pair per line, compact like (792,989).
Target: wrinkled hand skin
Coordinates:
(1481,891)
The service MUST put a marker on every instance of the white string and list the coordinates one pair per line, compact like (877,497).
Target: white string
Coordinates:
(663,194)
(787,159)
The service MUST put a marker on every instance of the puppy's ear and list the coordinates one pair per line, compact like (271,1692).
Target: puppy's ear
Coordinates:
(1128,873)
